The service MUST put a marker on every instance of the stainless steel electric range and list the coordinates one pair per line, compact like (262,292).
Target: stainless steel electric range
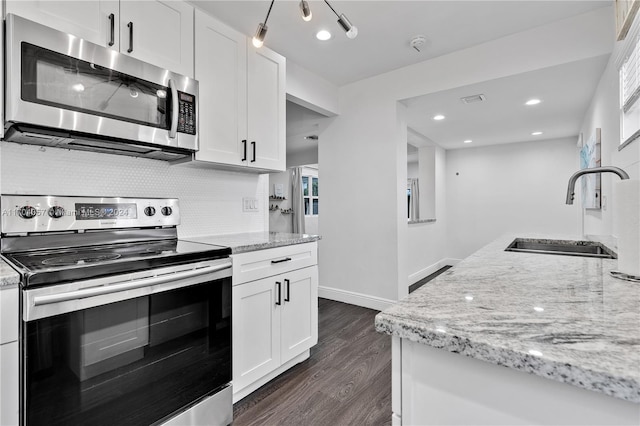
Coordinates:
(121,322)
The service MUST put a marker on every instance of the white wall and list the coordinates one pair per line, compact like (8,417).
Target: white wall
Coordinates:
(300,158)
(426,242)
(604,113)
(311,91)
(210,200)
(512,188)
(363,253)
(279,222)
(412,170)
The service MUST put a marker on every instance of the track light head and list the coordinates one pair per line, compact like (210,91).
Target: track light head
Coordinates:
(305,10)
(261,32)
(347,26)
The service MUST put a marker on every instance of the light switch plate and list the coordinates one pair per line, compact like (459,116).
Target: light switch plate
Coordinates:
(250,204)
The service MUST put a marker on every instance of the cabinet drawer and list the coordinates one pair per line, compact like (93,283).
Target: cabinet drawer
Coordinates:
(265,263)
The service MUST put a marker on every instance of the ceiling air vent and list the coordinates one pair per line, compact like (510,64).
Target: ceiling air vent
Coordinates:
(473,98)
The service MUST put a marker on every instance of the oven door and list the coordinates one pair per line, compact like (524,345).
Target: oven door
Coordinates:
(64,83)
(133,349)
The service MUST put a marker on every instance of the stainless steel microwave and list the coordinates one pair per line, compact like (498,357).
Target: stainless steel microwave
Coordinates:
(66,92)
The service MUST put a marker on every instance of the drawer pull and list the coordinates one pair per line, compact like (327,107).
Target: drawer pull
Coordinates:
(286,259)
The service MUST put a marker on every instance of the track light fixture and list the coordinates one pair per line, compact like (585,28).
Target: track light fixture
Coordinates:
(261,32)
(305,10)
(350,29)
(347,26)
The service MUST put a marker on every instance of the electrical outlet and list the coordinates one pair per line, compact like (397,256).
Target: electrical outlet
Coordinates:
(250,204)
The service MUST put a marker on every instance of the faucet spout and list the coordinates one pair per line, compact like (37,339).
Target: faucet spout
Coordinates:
(605,169)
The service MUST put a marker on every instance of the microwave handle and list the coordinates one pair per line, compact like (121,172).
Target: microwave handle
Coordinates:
(174,109)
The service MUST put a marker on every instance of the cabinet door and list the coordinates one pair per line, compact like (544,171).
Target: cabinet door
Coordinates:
(266,108)
(85,19)
(9,384)
(256,331)
(221,69)
(10,317)
(299,312)
(162,33)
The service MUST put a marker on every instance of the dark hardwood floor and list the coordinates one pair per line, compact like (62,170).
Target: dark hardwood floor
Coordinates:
(346,381)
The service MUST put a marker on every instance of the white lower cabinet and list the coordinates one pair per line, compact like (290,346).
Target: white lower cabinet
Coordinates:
(9,384)
(275,321)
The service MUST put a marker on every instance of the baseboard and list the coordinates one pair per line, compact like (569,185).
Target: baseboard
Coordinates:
(423,273)
(353,298)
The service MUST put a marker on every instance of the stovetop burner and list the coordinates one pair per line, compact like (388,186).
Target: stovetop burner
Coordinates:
(78,259)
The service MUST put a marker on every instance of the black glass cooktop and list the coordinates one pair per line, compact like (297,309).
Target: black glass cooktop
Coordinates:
(49,267)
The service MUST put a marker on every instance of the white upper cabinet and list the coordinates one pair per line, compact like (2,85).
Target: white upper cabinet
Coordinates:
(158,32)
(90,20)
(242,99)
(266,77)
(161,32)
(221,69)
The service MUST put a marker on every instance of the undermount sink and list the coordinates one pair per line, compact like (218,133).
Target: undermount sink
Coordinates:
(562,247)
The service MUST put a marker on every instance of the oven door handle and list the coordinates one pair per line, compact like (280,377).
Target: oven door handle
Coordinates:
(129,285)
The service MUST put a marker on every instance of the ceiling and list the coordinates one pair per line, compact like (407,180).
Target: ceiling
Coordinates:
(565,91)
(385,29)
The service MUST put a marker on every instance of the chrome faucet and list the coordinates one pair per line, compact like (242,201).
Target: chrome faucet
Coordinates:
(572,180)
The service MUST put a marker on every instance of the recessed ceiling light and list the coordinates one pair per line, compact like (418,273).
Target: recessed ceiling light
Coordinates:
(533,102)
(438,117)
(468,141)
(323,35)
(536,133)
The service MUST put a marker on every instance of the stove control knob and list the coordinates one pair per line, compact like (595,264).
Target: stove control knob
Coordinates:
(27,212)
(56,212)
(166,211)
(149,211)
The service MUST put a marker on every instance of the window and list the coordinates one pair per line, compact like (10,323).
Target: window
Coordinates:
(629,95)
(310,195)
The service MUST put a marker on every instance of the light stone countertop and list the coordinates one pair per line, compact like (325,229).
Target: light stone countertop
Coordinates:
(251,241)
(560,317)
(8,276)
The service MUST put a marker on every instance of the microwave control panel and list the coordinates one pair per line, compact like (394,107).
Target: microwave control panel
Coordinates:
(186,113)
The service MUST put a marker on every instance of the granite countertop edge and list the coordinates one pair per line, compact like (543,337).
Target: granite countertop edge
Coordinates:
(415,318)
(273,244)
(626,388)
(8,276)
(253,241)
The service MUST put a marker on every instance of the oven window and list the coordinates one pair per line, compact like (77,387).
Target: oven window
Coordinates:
(58,80)
(132,362)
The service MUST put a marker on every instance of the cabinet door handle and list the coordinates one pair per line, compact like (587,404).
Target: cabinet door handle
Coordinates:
(253,144)
(244,150)
(130,25)
(286,259)
(278,285)
(287,298)
(112,27)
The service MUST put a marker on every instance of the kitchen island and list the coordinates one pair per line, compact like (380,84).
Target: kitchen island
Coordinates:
(567,331)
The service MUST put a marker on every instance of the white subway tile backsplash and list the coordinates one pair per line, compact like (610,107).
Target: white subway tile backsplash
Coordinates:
(210,200)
